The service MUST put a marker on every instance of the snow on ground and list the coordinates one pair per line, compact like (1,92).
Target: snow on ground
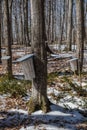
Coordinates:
(64,115)
(62,47)
(2,102)
(56,119)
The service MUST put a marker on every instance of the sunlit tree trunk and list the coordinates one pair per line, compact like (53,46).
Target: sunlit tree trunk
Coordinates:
(39,85)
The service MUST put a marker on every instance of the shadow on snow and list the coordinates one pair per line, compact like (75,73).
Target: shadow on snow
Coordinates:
(57,117)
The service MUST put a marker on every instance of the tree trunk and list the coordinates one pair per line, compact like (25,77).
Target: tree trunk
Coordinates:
(80,32)
(10,19)
(62,26)
(39,84)
(69,26)
(0,27)
(8,38)
(26,32)
(49,22)
(16,23)
(52,21)
(21,22)
(66,16)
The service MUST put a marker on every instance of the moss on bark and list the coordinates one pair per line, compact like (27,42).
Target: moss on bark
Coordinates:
(34,105)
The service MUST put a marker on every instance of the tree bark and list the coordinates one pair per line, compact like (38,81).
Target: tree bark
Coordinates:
(62,26)
(26,32)
(8,40)
(69,26)
(21,22)
(49,22)
(0,27)
(10,19)
(39,84)
(80,32)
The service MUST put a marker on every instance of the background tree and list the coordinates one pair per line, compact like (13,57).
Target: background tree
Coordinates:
(69,25)
(80,32)
(26,32)
(8,40)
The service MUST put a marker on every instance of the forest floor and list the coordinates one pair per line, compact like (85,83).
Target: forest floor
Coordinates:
(67,92)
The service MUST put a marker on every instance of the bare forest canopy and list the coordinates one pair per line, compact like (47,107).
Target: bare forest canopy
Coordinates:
(57,19)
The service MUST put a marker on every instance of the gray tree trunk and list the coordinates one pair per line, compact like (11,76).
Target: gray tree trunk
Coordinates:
(10,18)
(16,23)
(49,22)
(26,32)
(8,40)
(62,26)
(66,16)
(39,84)
(0,26)
(80,32)
(69,25)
